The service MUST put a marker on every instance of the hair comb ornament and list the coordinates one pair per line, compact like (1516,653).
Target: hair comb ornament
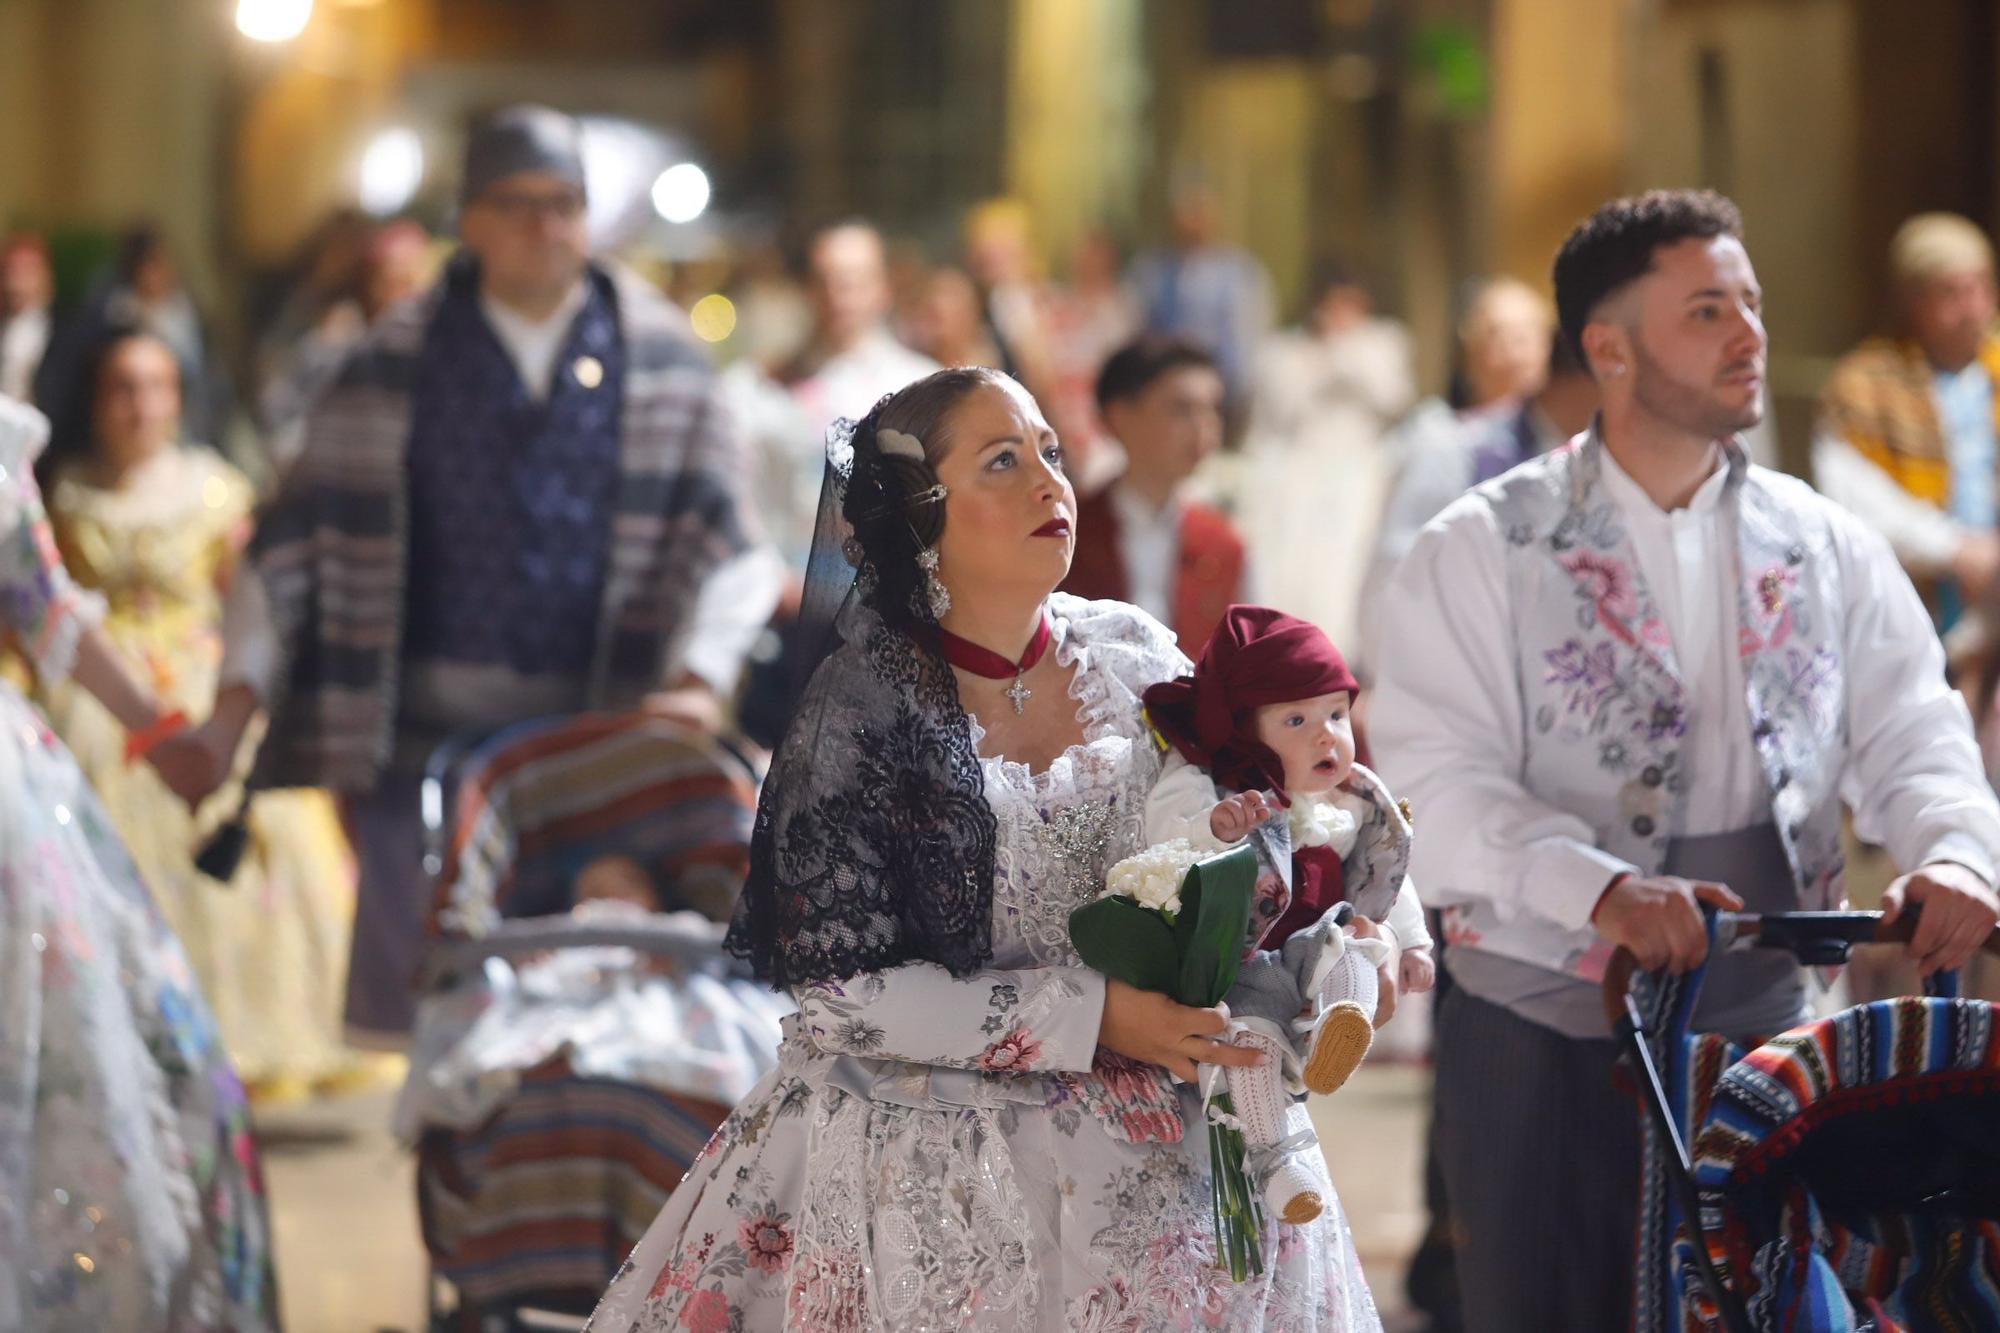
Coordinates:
(897,444)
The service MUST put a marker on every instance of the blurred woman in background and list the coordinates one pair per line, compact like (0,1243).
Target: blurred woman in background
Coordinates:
(154,525)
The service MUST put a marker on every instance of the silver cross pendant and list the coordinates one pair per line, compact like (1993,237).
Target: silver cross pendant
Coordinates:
(1020,694)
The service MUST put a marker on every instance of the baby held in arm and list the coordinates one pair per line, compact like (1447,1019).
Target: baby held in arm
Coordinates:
(1266,719)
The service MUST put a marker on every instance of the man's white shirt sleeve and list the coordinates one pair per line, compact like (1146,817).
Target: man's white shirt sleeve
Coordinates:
(1446,725)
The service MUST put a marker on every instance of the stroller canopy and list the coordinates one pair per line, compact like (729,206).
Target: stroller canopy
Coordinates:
(531,805)
(1854,1170)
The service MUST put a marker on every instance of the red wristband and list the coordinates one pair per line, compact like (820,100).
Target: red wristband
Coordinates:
(140,743)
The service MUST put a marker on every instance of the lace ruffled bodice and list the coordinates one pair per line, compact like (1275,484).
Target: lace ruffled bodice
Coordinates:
(1062,828)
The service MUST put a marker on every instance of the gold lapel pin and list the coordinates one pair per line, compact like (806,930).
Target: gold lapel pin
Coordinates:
(589,371)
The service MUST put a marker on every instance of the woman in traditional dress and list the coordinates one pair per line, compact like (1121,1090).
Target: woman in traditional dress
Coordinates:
(967,1128)
(129,1191)
(154,526)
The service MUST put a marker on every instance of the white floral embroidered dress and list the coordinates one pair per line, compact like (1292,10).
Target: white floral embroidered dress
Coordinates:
(130,1196)
(922,1158)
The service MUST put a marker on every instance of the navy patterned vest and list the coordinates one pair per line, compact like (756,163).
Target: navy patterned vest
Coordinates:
(511,499)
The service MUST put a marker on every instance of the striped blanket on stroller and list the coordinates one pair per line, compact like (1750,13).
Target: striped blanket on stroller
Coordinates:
(1847,1170)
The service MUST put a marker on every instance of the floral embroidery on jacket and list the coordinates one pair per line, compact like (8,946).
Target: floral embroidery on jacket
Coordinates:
(1608,583)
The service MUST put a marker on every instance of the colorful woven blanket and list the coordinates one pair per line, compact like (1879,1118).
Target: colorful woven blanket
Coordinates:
(1847,1172)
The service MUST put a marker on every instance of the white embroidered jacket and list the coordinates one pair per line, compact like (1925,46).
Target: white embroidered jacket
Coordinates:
(1532,705)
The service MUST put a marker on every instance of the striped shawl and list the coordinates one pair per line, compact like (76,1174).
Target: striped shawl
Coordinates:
(1879,400)
(332,548)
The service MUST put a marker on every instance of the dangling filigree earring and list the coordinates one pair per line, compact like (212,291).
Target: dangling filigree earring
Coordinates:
(933,592)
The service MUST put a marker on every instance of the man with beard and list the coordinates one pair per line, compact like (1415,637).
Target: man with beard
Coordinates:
(1630,679)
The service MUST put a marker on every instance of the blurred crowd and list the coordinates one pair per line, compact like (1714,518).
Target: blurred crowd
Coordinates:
(1218,458)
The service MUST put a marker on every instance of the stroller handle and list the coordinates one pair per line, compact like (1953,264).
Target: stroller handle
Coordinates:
(523,937)
(1814,938)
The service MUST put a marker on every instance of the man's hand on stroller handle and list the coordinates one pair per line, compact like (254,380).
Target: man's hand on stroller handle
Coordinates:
(1959,912)
(1659,920)
(1965,904)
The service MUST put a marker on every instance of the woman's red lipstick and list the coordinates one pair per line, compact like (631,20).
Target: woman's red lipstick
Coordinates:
(1055,527)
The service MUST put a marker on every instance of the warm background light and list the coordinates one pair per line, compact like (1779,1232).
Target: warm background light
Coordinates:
(681,193)
(713,317)
(391,170)
(272,20)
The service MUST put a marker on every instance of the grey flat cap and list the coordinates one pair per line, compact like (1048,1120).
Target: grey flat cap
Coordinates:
(521,138)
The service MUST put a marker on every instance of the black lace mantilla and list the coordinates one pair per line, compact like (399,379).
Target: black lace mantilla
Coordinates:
(874,842)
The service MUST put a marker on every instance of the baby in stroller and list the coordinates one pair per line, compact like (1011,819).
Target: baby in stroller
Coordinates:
(582,1030)
(607,889)
(610,888)
(705,887)
(614,878)
(597,986)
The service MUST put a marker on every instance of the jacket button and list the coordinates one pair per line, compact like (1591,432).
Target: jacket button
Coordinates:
(1643,826)
(1652,777)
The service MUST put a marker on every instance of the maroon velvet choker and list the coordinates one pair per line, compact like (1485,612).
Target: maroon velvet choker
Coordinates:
(968,656)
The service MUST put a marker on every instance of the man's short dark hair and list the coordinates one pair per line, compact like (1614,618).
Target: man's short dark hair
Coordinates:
(1131,370)
(1613,247)
(1565,359)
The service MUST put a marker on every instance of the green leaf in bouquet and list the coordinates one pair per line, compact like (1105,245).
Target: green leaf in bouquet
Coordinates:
(1216,899)
(1121,939)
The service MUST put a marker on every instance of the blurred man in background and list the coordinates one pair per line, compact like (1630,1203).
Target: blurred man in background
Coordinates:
(521,496)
